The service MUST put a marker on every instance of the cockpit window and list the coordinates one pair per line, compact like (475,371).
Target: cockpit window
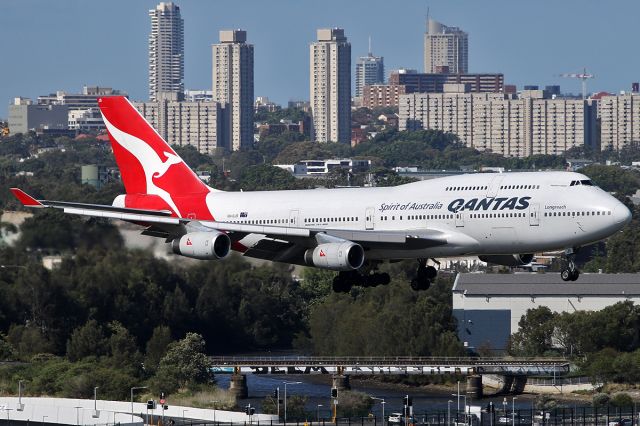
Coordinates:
(586,182)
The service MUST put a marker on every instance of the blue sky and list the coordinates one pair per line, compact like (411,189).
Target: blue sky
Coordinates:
(62,45)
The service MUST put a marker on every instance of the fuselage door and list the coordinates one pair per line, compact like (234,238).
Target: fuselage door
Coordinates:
(534,214)
(494,186)
(460,219)
(293,218)
(368,218)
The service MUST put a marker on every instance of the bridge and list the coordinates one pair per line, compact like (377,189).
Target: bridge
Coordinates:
(514,370)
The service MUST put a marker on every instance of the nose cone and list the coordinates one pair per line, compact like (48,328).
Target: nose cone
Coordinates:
(621,214)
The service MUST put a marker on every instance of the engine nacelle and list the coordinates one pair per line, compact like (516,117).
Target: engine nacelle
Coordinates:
(339,256)
(202,245)
(508,259)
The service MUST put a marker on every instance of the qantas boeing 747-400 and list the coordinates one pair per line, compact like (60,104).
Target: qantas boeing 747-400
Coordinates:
(500,217)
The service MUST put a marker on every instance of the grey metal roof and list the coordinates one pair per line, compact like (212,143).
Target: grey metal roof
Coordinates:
(547,284)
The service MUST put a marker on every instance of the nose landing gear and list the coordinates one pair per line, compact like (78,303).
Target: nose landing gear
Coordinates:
(570,272)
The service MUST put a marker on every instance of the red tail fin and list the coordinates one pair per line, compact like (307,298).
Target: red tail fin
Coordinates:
(147,163)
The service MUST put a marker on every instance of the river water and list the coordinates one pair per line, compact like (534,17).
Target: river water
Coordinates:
(318,390)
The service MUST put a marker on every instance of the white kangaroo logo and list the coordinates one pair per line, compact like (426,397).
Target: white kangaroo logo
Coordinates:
(151,162)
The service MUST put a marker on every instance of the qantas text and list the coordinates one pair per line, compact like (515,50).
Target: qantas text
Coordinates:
(476,204)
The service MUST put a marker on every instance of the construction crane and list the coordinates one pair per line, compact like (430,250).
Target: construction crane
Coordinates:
(584,76)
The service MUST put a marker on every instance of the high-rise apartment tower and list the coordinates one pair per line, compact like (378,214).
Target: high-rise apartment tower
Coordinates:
(233,88)
(166,51)
(330,86)
(369,71)
(446,49)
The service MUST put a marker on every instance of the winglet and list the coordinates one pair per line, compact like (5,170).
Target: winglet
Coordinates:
(25,198)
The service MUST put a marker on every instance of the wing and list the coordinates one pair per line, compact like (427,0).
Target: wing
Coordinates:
(277,243)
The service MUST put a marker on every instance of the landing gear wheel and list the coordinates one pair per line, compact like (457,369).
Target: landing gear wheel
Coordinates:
(431,272)
(424,274)
(415,284)
(570,273)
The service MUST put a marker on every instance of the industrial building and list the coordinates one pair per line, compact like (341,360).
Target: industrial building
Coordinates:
(488,307)
(24,116)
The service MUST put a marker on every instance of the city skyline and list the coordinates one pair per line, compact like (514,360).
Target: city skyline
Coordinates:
(527,56)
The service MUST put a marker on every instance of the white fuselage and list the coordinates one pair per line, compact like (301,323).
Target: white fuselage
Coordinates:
(482,213)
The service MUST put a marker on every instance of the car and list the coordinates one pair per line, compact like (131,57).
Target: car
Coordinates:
(395,418)
(621,422)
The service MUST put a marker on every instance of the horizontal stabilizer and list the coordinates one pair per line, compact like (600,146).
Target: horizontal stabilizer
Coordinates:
(25,198)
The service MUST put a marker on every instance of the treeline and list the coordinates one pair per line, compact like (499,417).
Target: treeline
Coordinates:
(388,320)
(605,343)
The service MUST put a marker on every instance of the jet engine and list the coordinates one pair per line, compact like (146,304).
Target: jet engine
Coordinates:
(202,245)
(338,256)
(508,259)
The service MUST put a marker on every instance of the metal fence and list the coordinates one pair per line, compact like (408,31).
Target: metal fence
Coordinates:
(574,416)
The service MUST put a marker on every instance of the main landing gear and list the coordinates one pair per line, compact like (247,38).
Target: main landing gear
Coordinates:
(343,282)
(424,275)
(570,272)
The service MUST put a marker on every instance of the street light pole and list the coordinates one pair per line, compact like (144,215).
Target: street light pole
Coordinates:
(458,396)
(214,411)
(449,412)
(513,411)
(20,406)
(318,412)
(133,389)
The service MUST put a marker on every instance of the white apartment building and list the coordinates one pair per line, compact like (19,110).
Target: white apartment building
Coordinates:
(330,86)
(184,123)
(166,50)
(619,120)
(512,127)
(233,88)
(446,49)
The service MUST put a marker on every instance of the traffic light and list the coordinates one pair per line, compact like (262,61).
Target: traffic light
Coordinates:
(249,410)
(334,392)
(165,407)
(275,393)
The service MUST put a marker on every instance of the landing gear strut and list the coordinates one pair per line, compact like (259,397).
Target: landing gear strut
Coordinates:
(424,275)
(570,272)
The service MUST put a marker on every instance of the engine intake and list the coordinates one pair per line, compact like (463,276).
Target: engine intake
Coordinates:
(508,259)
(202,245)
(339,256)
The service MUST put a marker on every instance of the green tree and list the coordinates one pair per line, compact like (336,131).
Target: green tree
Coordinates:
(535,332)
(185,363)
(87,341)
(123,348)
(157,347)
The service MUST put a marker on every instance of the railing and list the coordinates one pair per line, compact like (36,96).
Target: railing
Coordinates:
(304,360)
(502,415)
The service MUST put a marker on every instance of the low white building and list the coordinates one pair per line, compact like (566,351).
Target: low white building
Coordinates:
(488,307)
(89,412)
